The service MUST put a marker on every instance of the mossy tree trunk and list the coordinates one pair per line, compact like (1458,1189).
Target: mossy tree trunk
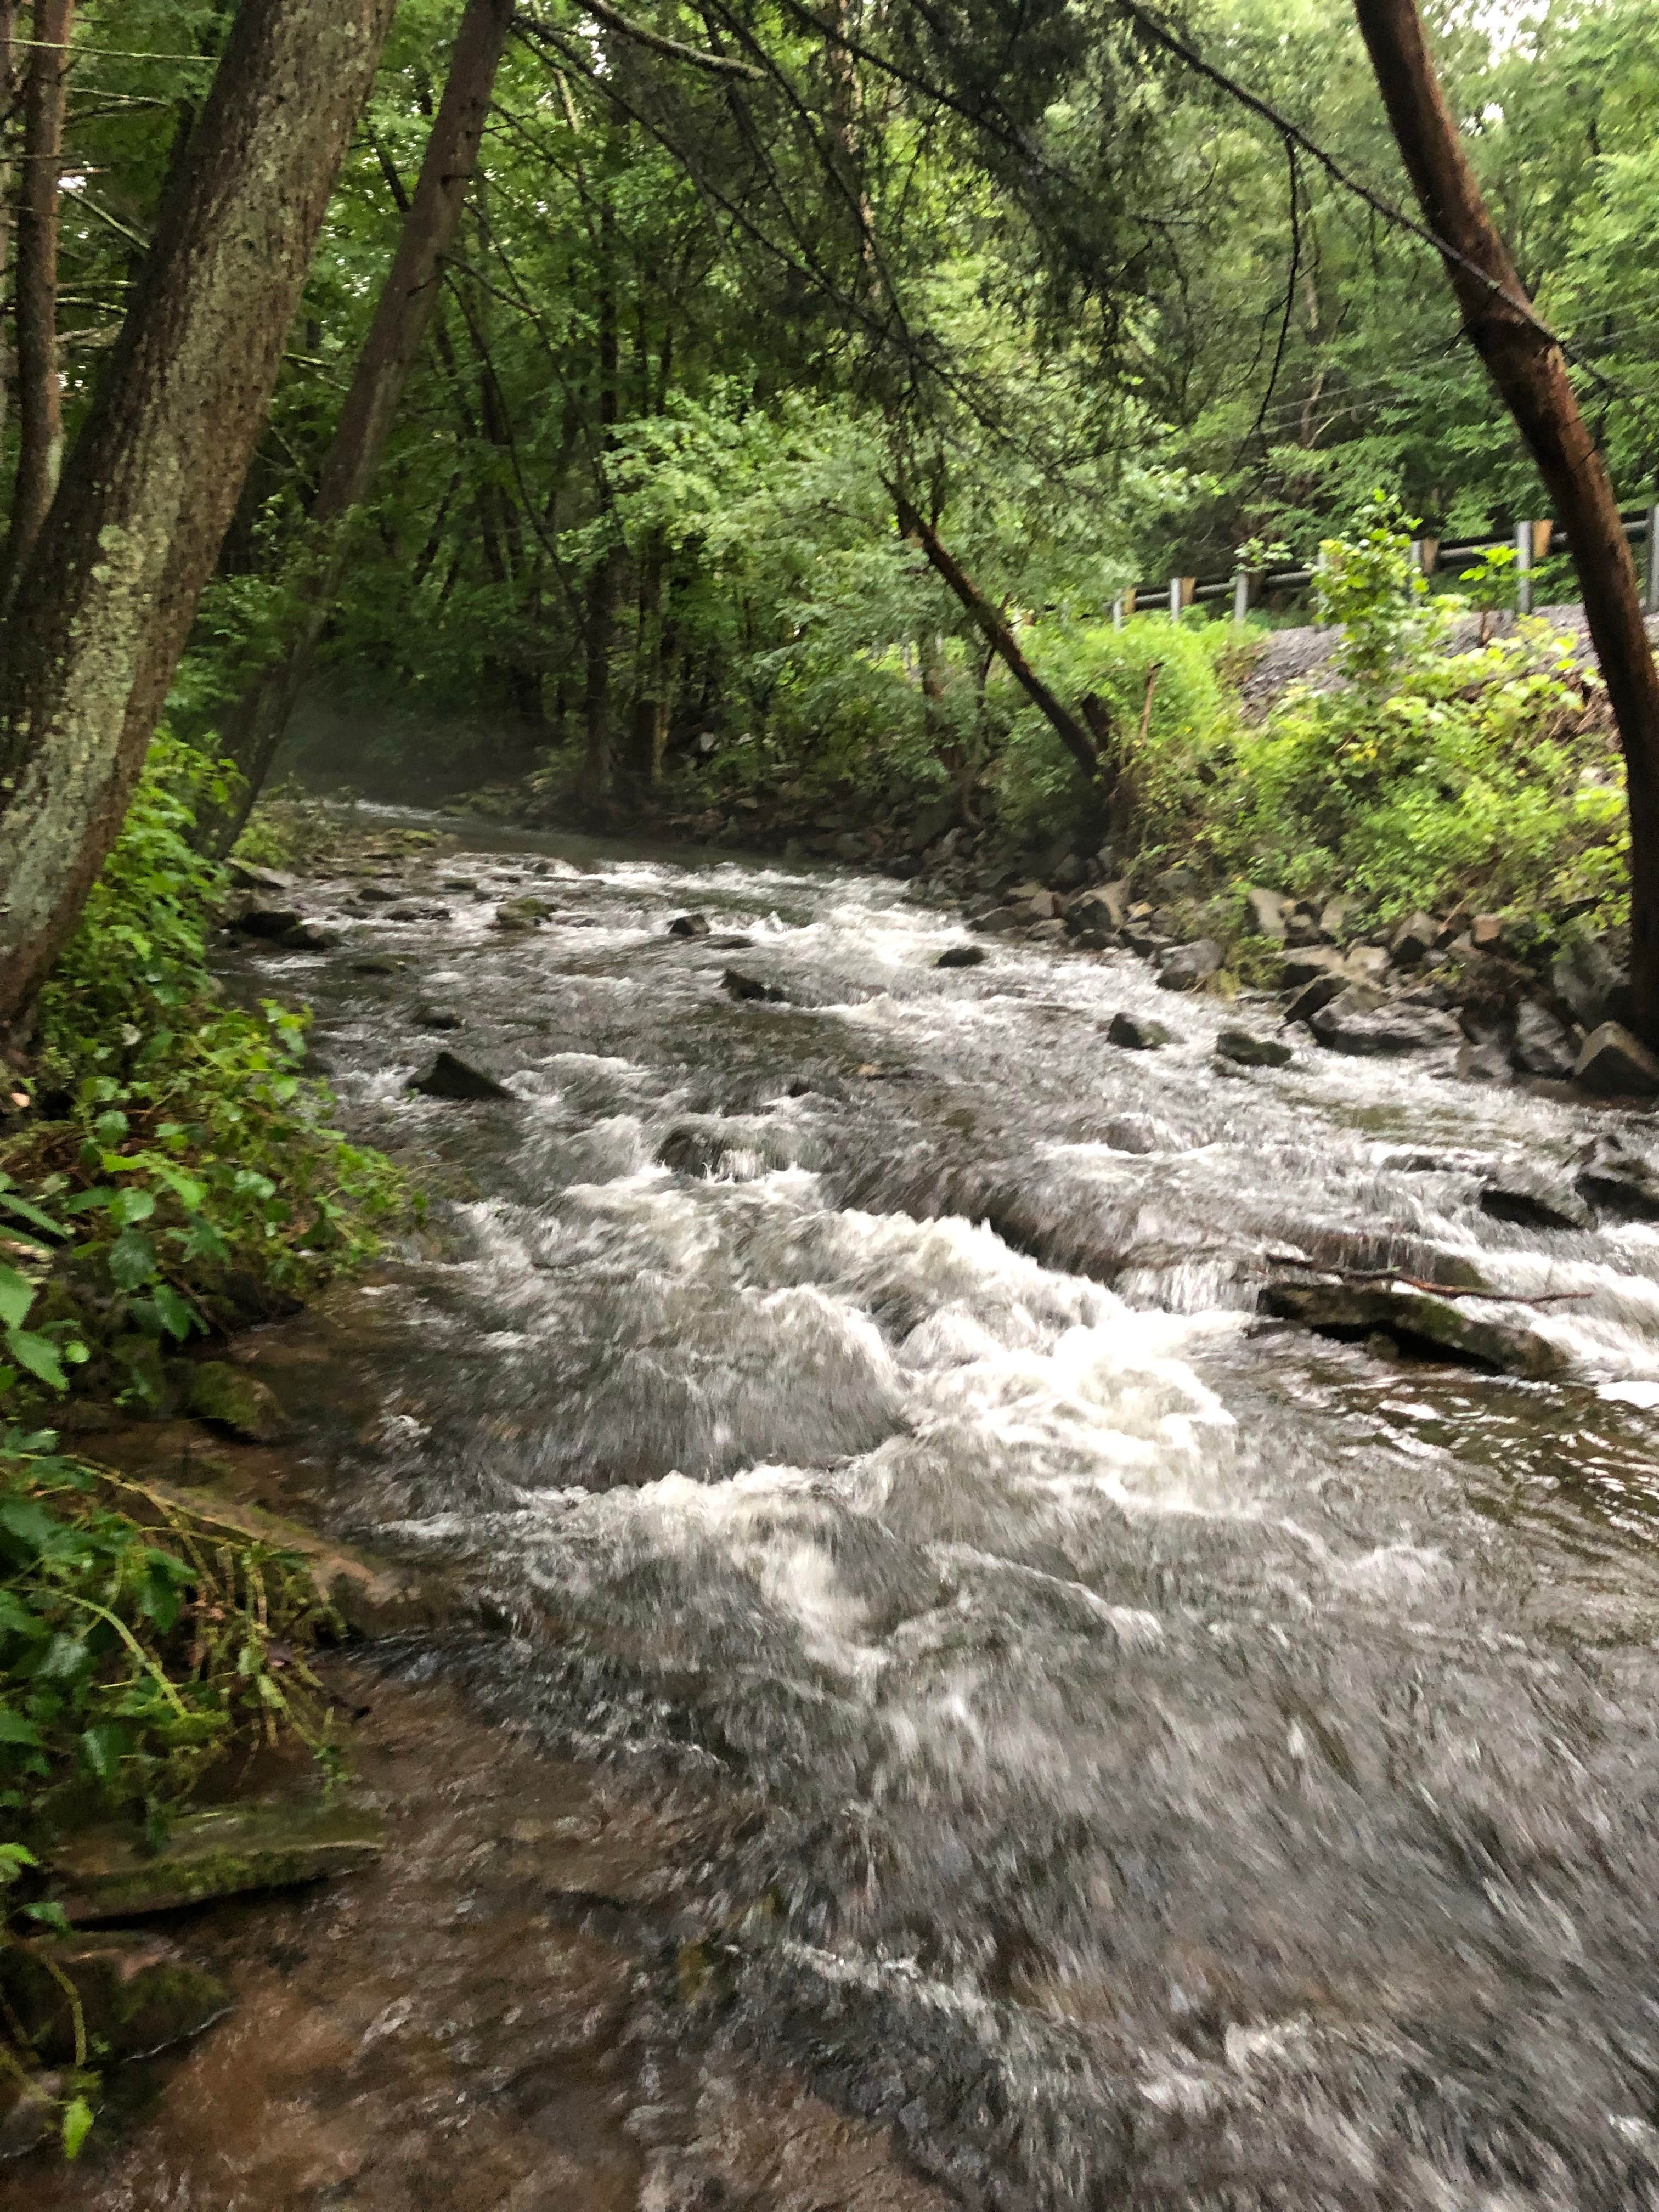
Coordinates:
(90,644)
(259,720)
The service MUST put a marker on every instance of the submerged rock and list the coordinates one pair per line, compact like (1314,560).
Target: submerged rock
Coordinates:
(451,1076)
(962,956)
(1617,1177)
(689,925)
(1189,965)
(1136,1033)
(110,1873)
(1360,1023)
(234,1399)
(419,910)
(1248,1050)
(137,1993)
(379,964)
(751,989)
(1518,1192)
(433,1017)
(1613,1063)
(1417,1321)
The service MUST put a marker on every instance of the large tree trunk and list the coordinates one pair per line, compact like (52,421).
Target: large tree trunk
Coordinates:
(1531,375)
(39,388)
(9,14)
(1085,737)
(90,645)
(255,725)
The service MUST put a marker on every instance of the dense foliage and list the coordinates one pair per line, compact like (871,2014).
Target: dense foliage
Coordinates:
(181,1172)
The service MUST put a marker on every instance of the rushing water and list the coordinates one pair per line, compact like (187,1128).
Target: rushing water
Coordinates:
(1181,1761)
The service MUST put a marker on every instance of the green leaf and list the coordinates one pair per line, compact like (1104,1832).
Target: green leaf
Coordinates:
(15,1728)
(17,1295)
(26,1212)
(104,1746)
(178,1318)
(76,2126)
(49,1913)
(132,1259)
(132,1205)
(39,1355)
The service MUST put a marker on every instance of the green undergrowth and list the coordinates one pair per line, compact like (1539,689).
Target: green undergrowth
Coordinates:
(174,1172)
(167,1171)
(140,1655)
(1485,780)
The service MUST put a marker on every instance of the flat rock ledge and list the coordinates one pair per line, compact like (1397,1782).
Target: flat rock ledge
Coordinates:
(109,1873)
(1416,1322)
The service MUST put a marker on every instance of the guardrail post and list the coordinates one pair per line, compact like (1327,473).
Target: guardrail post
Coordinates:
(1181,595)
(1117,611)
(1523,543)
(1241,594)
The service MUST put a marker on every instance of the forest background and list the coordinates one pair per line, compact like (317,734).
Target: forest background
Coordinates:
(746,306)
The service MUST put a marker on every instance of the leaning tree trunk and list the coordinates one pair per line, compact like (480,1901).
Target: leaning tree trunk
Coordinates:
(257,723)
(1086,740)
(89,647)
(1528,367)
(39,389)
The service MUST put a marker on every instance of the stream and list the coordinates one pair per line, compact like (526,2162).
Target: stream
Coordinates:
(1145,1756)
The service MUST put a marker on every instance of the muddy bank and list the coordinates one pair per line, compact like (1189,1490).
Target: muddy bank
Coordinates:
(499,2015)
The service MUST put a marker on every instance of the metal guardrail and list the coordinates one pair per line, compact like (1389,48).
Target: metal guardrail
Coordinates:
(1533,542)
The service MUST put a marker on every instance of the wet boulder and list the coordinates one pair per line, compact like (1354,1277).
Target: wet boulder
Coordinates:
(419,910)
(962,956)
(1267,913)
(261,917)
(1540,1045)
(309,936)
(1415,938)
(1245,1049)
(750,989)
(379,964)
(1319,992)
(1311,964)
(1091,912)
(1188,966)
(1137,1033)
(113,1874)
(452,1078)
(431,1015)
(1362,1024)
(1520,1192)
(514,916)
(1613,1176)
(689,925)
(247,875)
(1586,979)
(235,1401)
(137,1993)
(1613,1063)
(1417,1321)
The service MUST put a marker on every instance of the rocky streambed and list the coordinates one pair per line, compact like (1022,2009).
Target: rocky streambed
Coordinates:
(1056,1579)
